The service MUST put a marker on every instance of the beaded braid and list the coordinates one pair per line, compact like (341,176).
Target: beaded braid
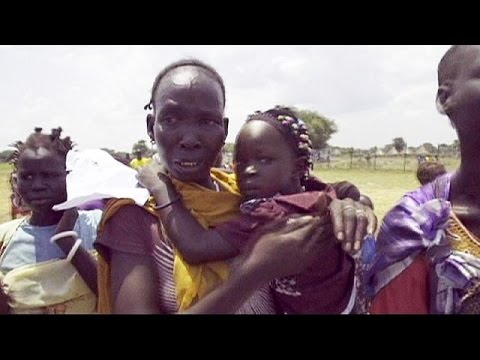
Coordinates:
(181,63)
(38,140)
(295,131)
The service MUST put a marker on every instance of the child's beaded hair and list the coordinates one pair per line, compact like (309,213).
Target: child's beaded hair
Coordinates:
(38,140)
(293,129)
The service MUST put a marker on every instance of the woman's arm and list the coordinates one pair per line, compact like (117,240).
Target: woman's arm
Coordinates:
(282,248)
(133,284)
(180,225)
(83,260)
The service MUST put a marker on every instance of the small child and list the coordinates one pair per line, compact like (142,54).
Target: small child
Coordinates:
(45,263)
(272,162)
(429,171)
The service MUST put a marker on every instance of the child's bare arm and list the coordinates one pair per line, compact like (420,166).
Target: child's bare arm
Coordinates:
(196,244)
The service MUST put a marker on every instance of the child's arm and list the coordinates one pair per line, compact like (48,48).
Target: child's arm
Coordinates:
(83,260)
(196,244)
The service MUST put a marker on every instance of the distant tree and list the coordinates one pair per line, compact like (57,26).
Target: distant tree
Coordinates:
(430,148)
(443,148)
(6,156)
(228,147)
(387,148)
(140,145)
(321,128)
(399,144)
(412,149)
(456,146)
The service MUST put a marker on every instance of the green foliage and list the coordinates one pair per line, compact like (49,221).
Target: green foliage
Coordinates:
(320,127)
(6,155)
(228,147)
(140,146)
(399,144)
(430,148)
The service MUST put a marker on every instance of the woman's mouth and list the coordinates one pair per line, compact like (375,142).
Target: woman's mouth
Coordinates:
(187,165)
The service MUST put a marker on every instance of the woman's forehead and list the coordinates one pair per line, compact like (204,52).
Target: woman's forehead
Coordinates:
(188,78)
(32,155)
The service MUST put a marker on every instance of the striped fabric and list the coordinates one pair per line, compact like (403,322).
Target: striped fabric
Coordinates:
(260,303)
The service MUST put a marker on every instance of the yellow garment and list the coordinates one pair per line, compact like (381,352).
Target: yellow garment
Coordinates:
(48,287)
(139,163)
(211,208)
(463,240)
(51,287)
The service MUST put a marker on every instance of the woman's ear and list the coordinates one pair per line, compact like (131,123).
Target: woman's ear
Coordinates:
(444,99)
(150,123)
(225,126)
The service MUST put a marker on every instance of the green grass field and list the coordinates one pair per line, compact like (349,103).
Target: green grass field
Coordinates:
(385,187)
(5,192)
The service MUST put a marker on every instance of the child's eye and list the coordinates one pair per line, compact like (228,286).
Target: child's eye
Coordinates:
(265,161)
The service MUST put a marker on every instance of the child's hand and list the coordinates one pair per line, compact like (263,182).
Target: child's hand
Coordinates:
(152,177)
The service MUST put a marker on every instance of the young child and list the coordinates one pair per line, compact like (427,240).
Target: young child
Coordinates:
(429,171)
(272,162)
(35,277)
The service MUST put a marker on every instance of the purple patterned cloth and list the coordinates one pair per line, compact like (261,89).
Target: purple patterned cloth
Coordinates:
(419,224)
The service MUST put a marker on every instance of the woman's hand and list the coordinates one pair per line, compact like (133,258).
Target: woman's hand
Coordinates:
(352,221)
(288,247)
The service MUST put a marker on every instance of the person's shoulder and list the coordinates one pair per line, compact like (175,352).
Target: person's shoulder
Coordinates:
(90,216)
(127,214)
(9,224)
(8,228)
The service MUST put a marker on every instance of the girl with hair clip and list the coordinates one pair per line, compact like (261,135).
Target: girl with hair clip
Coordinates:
(46,263)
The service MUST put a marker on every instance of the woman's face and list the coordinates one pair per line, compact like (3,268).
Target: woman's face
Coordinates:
(465,96)
(189,128)
(41,179)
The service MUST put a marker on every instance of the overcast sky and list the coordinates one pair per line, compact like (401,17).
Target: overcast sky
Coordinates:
(96,93)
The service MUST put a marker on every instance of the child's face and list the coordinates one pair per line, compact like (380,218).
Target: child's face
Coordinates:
(189,126)
(264,162)
(41,179)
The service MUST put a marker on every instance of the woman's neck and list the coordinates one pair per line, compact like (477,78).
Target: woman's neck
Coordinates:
(467,177)
(45,218)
